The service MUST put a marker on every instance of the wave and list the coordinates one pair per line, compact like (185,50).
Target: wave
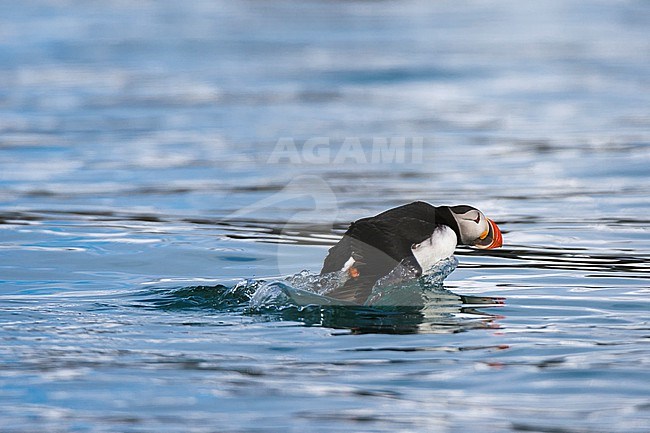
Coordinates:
(397,304)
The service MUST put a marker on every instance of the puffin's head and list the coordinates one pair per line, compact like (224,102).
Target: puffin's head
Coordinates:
(475,229)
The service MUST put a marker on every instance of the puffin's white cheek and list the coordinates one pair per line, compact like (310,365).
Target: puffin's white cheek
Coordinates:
(468,231)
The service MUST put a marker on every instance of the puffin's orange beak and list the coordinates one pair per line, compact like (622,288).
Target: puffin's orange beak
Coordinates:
(492,239)
(497,237)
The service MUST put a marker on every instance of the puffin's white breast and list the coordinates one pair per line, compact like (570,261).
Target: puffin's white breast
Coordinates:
(440,245)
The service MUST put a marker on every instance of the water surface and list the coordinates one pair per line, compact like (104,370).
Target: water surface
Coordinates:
(144,198)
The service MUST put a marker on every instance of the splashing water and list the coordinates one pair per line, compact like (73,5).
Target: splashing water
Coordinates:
(400,303)
(401,287)
(303,288)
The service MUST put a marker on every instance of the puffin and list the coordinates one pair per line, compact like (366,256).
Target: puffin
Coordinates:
(414,237)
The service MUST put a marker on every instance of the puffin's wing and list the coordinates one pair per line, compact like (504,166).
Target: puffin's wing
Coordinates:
(362,242)
(338,254)
(370,266)
(376,246)
(367,265)
(374,238)
(412,221)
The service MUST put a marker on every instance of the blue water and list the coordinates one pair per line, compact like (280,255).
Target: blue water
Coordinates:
(162,162)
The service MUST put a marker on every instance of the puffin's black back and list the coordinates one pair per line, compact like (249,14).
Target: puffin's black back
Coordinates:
(378,244)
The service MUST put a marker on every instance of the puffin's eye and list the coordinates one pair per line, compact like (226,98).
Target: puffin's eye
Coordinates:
(476,220)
